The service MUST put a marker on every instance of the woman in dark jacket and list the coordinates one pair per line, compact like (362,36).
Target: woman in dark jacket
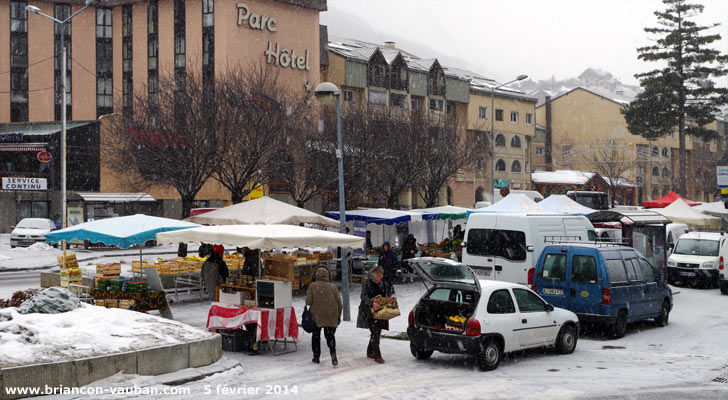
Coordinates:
(372,288)
(388,261)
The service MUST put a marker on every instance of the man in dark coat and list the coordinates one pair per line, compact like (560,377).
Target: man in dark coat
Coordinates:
(409,250)
(326,308)
(214,271)
(388,261)
(372,288)
(251,265)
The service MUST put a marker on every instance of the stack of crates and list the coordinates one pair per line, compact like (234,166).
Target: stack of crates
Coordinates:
(70,272)
(105,272)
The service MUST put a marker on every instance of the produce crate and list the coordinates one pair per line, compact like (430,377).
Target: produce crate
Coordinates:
(281,268)
(163,270)
(71,274)
(324,256)
(115,284)
(108,270)
(102,283)
(112,303)
(127,304)
(135,286)
(100,302)
(137,267)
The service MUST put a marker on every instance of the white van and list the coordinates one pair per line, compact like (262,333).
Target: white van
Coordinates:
(697,259)
(505,246)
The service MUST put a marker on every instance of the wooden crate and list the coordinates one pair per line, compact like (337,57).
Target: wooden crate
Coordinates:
(279,268)
(71,261)
(126,304)
(100,302)
(112,303)
(108,270)
(137,267)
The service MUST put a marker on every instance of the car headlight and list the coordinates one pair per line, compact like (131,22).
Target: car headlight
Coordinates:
(708,265)
(671,263)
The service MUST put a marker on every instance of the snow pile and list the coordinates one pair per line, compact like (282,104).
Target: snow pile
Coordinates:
(4,257)
(53,300)
(40,246)
(84,332)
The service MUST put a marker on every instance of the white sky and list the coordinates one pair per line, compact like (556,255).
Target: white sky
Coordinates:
(505,38)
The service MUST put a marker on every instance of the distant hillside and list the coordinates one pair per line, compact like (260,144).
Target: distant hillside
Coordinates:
(590,78)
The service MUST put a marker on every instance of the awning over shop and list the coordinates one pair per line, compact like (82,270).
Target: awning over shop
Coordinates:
(23,146)
(115,197)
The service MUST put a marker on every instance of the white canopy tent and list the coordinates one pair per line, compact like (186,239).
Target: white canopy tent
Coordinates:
(515,203)
(562,204)
(679,211)
(716,209)
(262,211)
(263,237)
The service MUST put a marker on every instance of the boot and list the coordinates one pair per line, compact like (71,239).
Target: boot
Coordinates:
(334,361)
(315,359)
(379,360)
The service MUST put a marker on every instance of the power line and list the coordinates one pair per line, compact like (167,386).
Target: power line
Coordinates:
(30,65)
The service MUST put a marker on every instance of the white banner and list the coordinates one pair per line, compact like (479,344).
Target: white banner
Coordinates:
(25,184)
(722,176)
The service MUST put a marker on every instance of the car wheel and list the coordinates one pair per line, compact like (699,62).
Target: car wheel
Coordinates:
(724,289)
(490,355)
(566,340)
(620,325)
(420,354)
(664,316)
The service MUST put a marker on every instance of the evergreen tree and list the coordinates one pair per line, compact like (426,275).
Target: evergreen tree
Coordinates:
(681,89)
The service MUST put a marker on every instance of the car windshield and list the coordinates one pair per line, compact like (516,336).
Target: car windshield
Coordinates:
(441,272)
(33,224)
(697,247)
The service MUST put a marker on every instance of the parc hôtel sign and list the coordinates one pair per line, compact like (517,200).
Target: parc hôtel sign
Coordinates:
(281,57)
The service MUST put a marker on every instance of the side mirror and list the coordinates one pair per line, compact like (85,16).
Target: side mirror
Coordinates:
(12,226)
(549,307)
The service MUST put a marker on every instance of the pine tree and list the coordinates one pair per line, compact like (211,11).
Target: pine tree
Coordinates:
(682,89)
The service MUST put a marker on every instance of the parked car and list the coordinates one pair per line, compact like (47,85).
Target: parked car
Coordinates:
(723,279)
(673,232)
(603,284)
(30,231)
(696,258)
(505,246)
(463,315)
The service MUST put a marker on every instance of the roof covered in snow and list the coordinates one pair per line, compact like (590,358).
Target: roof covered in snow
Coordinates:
(566,177)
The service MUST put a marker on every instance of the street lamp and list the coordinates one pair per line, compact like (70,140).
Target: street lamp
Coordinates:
(327,93)
(492,133)
(36,10)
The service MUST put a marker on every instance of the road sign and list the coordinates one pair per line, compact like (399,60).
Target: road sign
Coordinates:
(44,156)
(722,176)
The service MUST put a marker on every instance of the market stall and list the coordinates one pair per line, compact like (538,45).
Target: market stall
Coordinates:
(272,293)
(265,211)
(667,200)
(679,211)
(561,204)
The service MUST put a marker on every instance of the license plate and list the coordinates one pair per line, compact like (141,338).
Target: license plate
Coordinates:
(683,273)
(554,291)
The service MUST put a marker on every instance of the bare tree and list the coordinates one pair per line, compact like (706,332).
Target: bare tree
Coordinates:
(445,152)
(169,137)
(610,160)
(259,116)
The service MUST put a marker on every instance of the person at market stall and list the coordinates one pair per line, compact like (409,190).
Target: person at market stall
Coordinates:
(369,242)
(326,307)
(182,250)
(409,250)
(204,250)
(252,262)
(372,288)
(388,261)
(214,270)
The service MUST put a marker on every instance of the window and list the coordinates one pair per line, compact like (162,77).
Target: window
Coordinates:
(498,115)
(415,104)
(516,166)
(648,272)
(554,268)
(62,12)
(514,116)
(501,302)
(399,100)
(435,105)
(655,171)
(104,62)
(665,152)
(436,81)
(634,271)
(529,119)
(539,150)
(583,269)
(665,172)
(377,98)
(349,95)
(528,301)
(398,78)
(179,36)
(483,112)
(655,151)
(500,140)
(615,271)
(479,164)
(127,84)
(500,165)
(18,61)
(507,244)
(152,52)
(516,141)
(208,44)
(31,209)
(450,109)
(377,72)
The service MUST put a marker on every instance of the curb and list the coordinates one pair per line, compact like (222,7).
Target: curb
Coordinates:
(76,373)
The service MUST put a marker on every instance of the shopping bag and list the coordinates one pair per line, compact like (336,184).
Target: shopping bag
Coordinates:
(388,308)
(307,321)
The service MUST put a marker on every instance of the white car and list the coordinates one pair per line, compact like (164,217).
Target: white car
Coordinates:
(30,231)
(463,315)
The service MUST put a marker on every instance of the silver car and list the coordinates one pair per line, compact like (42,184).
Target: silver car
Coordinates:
(30,231)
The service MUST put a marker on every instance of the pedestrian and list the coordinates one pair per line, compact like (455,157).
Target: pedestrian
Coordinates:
(372,288)
(214,270)
(325,305)
(409,250)
(251,265)
(369,246)
(182,250)
(204,250)
(388,261)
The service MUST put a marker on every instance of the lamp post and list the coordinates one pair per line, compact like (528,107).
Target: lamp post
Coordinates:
(327,93)
(492,133)
(36,10)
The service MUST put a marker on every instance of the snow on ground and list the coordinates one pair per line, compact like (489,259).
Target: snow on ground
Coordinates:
(686,355)
(84,332)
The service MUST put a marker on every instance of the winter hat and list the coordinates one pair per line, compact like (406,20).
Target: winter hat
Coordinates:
(219,249)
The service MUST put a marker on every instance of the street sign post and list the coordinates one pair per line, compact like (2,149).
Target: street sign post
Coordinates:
(722,176)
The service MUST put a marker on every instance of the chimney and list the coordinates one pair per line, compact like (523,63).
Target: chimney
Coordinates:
(389,44)
(548,160)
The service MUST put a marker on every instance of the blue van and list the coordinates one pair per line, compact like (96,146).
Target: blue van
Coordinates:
(612,285)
